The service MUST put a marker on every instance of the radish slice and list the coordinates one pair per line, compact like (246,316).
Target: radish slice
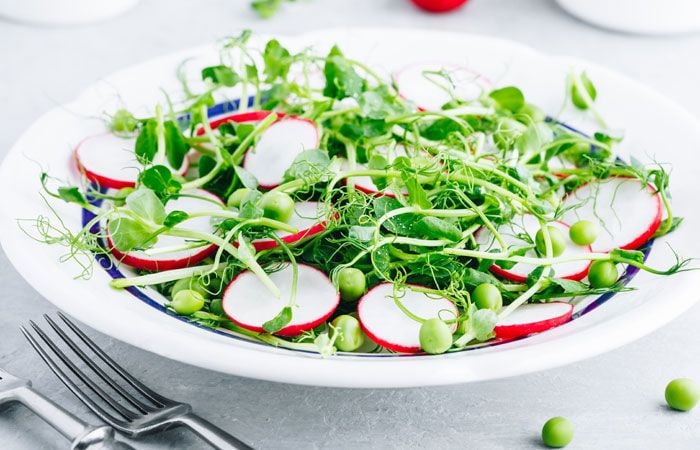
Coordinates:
(308,218)
(528,224)
(177,258)
(277,148)
(413,84)
(387,325)
(110,161)
(249,304)
(627,212)
(533,318)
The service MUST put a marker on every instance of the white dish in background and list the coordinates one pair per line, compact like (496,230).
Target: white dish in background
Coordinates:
(63,12)
(638,16)
(655,127)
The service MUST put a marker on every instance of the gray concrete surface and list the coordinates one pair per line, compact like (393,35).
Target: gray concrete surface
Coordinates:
(614,400)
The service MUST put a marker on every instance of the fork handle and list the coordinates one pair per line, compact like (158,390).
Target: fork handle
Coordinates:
(214,435)
(81,434)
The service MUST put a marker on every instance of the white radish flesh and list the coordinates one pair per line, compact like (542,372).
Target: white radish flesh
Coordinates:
(421,88)
(389,326)
(110,161)
(154,260)
(277,148)
(528,224)
(249,304)
(533,318)
(627,212)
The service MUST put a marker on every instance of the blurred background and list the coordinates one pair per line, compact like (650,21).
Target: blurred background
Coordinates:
(51,49)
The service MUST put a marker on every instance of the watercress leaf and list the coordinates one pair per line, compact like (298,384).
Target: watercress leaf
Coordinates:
(145,204)
(221,74)
(341,78)
(128,234)
(247,179)
(147,142)
(175,217)
(279,321)
(311,165)
(277,61)
(436,228)
(72,194)
(510,98)
(175,145)
(206,165)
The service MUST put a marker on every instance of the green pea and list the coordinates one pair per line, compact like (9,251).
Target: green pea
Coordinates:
(193,284)
(435,336)
(584,232)
(487,296)
(555,236)
(349,332)
(602,274)
(277,206)
(123,122)
(235,199)
(530,113)
(187,302)
(557,432)
(682,394)
(351,284)
(577,97)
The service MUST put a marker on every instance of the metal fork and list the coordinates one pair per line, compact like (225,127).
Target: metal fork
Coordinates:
(151,413)
(81,434)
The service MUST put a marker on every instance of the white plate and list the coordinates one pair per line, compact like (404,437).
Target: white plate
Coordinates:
(655,127)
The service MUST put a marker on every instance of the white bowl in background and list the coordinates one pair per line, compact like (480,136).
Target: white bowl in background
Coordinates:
(638,16)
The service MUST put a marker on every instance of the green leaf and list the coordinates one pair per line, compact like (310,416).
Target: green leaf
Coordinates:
(416,194)
(576,96)
(221,74)
(175,145)
(72,194)
(128,234)
(401,224)
(247,179)
(147,142)
(160,180)
(311,165)
(378,162)
(279,321)
(482,322)
(206,165)
(145,204)
(361,233)
(341,78)
(473,277)
(175,217)
(570,286)
(509,98)
(250,206)
(277,61)
(534,276)
(436,228)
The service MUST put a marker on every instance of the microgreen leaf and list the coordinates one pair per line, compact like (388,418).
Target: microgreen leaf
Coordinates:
(310,165)
(509,98)
(221,74)
(128,234)
(279,321)
(621,255)
(277,61)
(436,228)
(246,178)
(175,145)
(341,78)
(147,142)
(250,206)
(482,322)
(72,194)
(145,204)
(160,180)
(175,217)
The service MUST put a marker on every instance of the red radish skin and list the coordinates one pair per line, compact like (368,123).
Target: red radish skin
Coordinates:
(159,263)
(413,86)
(553,315)
(438,6)
(313,285)
(307,228)
(630,204)
(574,273)
(370,325)
(124,171)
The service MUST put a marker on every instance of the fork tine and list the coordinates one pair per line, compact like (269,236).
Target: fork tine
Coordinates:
(71,385)
(136,384)
(129,415)
(135,402)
